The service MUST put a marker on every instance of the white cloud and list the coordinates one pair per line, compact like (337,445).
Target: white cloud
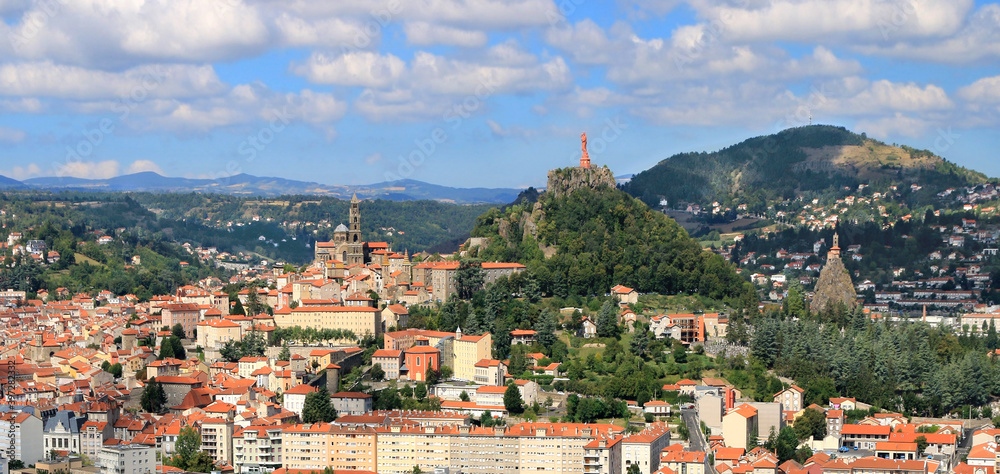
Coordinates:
(488,14)
(328,32)
(246,104)
(857,97)
(426,34)
(822,62)
(851,20)
(122,33)
(503,71)
(23,172)
(587,43)
(139,166)
(10,135)
(45,79)
(88,169)
(373,158)
(363,68)
(895,125)
(985,90)
(978,40)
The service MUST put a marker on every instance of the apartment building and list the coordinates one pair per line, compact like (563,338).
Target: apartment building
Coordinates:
(526,447)
(217,439)
(257,449)
(603,456)
(643,448)
(127,459)
(321,445)
(27,433)
(468,351)
(186,314)
(360,320)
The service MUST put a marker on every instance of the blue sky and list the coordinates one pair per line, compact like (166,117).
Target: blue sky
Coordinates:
(477,92)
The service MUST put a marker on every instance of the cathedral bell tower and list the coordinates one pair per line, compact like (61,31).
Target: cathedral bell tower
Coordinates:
(355,247)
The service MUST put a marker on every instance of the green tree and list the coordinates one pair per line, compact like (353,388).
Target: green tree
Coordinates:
(787,444)
(680,353)
(153,397)
(186,449)
(607,321)
(634,469)
(512,400)
(115,370)
(420,392)
(640,342)
(921,444)
(178,330)
(546,329)
(468,278)
(377,373)
(285,354)
(486,420)
(463,396)
(812,424)
(318,408)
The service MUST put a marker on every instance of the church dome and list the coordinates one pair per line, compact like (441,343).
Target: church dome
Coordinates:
(341,228)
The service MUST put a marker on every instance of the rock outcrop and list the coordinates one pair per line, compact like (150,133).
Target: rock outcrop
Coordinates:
(834,284)
(564,181)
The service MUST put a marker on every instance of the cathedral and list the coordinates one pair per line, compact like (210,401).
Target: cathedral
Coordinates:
(349,254)
(347,246)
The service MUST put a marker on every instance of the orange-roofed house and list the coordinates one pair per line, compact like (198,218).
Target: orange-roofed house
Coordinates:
(691,462)
(738,424)
(863,436)
(490,372)
(643,448)
(894,450)
(523,336)
(625,295)
(791,398)
(390,361)
(395,316)
(294,399)
(657,407)
(983,454)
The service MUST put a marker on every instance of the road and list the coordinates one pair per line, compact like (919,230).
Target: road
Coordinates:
(695,435)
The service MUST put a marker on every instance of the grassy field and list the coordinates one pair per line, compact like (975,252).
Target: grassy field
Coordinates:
(80,258)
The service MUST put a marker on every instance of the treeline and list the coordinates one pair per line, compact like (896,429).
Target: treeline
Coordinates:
(605,238)
(909,367)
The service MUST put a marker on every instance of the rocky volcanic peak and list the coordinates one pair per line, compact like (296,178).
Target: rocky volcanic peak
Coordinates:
(564,181)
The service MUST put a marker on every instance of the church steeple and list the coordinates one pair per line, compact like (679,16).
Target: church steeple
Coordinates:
(355,247)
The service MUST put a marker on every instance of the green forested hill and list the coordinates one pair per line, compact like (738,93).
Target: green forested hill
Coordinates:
(406,225)
(818,159)
(597,238)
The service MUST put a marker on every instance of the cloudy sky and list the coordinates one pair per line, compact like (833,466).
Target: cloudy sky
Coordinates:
(477,92)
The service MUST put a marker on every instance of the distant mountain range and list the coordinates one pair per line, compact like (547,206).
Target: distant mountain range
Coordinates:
(248,185)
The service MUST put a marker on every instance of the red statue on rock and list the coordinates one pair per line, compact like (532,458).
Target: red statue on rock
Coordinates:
(585,159)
